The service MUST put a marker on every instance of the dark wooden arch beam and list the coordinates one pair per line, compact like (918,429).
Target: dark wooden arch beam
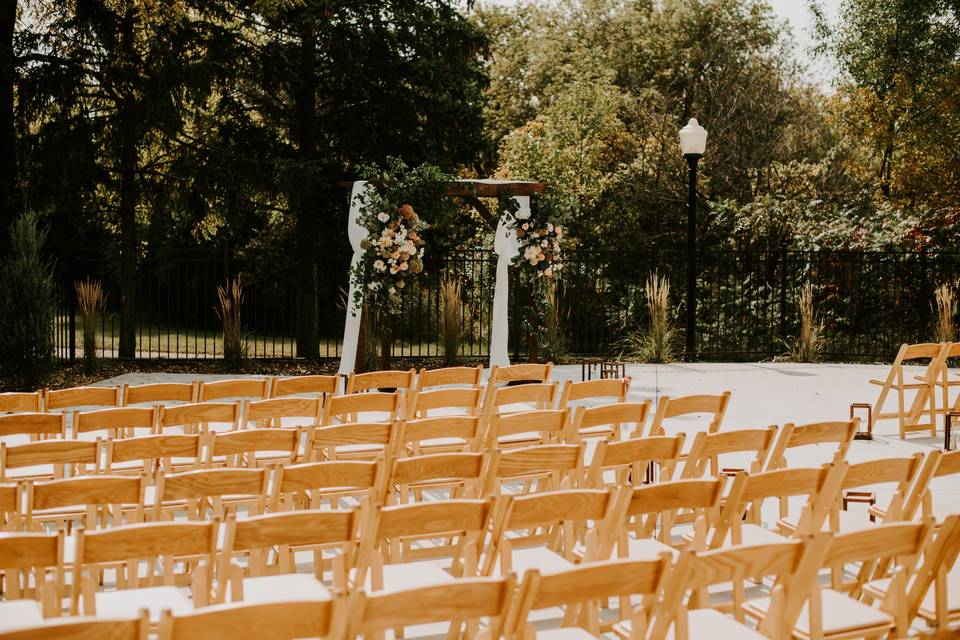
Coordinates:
(470,191)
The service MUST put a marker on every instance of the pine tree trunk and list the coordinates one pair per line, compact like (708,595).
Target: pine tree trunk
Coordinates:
(8,138)
(304,198)
(128,205)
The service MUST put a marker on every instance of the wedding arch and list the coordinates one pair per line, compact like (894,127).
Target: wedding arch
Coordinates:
(506,246)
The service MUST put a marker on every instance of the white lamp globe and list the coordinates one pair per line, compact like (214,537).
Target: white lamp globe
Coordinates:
(693,138)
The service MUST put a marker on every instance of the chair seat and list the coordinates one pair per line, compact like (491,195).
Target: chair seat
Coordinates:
(408,575)
(708,624)
(751,534)
(16,614)
(126,603)
(540,558)
(566,633)
(279,588)
(928,607)
(842,615)
(848,521)
(648,549)
(527,437)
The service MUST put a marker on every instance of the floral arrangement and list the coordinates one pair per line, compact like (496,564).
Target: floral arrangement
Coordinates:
(393,252)
(539,236)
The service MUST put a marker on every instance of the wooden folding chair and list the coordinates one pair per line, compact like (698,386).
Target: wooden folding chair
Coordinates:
(948,464)
(375,380)
(650,515)
(923,400)
(120,422)
(631,462)
(343,483)
(839,434)
(21,402)
(398,537)
(467,600)
(704,457)
(93,502)
(611,390)
(284,412)
(197,417)
(528,428)
(582,591)
(832,613)
(544,467)
(82,628)
(944,382)
(712,406)
(551,531)
(686,605)
(222,491)
(268,546)
(267,621)
(10,507)
(899,472)
(38,426)
(149,454)
(609,420)
(159,393)
(445,402)
(33,578)
(354,440)
(460,474)
(367,407)
(449,376)
(48,459)
(159,548)
(61,399)
(933,592)
(742,516)
(312,386)
(535,396)
(529,372)
(236,389)
(441,434)
(254,448)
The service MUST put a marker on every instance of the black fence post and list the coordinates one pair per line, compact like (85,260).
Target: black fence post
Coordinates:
(72,319)
(783,294)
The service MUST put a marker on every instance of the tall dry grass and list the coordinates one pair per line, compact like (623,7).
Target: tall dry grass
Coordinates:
(554,345)
(657,342)
(945,308)
(451,318)
(808,346)
(231,301)
(91,300)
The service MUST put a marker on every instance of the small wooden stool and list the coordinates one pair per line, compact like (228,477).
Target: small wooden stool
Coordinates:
(612,369)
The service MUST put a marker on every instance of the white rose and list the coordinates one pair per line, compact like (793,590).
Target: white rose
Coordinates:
(378,265)
(383,216)
(523,215)
(374,286)
(549,228)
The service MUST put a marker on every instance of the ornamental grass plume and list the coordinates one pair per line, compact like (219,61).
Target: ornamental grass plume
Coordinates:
(655,343)
(231,301)
(945,306)
(91,299)
(808,346)
(451,318)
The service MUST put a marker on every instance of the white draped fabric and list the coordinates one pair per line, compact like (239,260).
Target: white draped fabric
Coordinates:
(356,233)
(506,247)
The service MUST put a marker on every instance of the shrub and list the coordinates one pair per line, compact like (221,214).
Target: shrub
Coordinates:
(27,307)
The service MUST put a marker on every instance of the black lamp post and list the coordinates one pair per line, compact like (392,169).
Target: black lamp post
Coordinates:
(693,142)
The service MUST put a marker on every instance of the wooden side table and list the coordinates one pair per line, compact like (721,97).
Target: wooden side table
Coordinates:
(947,424)
(588,366)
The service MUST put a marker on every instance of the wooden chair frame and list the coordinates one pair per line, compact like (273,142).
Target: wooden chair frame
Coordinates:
(607,421)
(305,486)
(667,408)
(924,399)
(466,376)
(65,458)
(159,393)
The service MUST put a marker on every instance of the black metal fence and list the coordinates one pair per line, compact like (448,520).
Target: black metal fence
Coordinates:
(869,302)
